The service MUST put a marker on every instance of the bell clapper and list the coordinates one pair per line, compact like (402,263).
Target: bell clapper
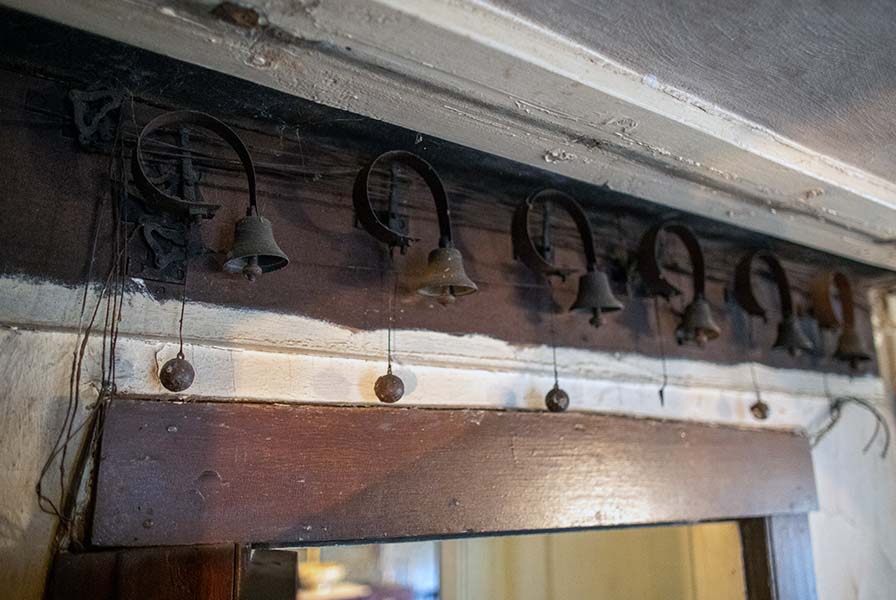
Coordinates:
(447,297)
(252,270)
(596,317)
(701,338)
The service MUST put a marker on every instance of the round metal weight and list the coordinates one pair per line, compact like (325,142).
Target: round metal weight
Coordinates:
(556,400)
(177,374)
(389,388)
(760,410)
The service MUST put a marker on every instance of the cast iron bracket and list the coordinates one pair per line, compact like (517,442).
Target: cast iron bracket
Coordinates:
(93,115)
(161,250)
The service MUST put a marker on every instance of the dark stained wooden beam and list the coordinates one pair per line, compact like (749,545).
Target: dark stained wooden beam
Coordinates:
(175,473)
(777,554)
(206,572)
(305,186)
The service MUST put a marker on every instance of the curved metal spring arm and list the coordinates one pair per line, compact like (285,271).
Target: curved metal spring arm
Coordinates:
(743,284)
(180,205)
(649,266)
(372,223)
(524,247)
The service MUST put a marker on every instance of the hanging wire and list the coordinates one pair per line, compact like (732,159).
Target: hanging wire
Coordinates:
(835,412)
(553,331)
(183,296)
(391,317)
(755,382)
(110,296)
(656,314)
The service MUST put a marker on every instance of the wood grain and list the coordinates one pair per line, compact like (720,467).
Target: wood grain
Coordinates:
(145,574)
(339,273)
(196,473)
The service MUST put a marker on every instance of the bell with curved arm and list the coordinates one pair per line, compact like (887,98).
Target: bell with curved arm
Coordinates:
(445,277)
(850,347)
(697,324)
(595,295)
(791,336)
(254,249)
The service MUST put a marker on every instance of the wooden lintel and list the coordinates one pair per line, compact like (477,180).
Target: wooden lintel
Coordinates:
(199,473)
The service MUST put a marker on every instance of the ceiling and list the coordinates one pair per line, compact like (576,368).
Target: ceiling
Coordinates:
(822,73)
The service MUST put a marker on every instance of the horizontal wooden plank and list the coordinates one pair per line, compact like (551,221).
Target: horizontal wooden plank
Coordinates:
(205,572)
(190,473)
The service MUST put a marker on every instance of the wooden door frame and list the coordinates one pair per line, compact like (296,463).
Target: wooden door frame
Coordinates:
(188,474)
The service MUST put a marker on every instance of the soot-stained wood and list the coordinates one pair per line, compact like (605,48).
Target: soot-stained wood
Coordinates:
(206,572)
(173,473)
(307,157)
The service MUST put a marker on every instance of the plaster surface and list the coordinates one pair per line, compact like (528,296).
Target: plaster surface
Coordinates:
(820,73)
(252,355)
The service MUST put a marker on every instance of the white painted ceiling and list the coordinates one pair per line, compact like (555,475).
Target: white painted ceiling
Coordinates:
(822,73)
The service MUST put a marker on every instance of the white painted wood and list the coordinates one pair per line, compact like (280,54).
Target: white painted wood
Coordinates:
(435,366)
(468,72)
(266,357)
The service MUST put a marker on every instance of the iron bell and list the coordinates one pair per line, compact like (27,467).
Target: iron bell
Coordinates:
(445,277)
(850,348)
(697,324)
(791,337)
(596,296)
(254,249)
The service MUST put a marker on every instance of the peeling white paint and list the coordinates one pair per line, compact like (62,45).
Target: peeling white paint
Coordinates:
(253,355)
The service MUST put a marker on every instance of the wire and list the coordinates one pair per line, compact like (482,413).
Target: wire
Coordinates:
(656,316)
(755,383)
(183,296)
(836,412)
(391,319)
(553,331)
(110,296)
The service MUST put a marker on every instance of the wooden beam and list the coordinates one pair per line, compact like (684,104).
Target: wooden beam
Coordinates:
(778,558)
(206,572)
(473,74)
(174,473)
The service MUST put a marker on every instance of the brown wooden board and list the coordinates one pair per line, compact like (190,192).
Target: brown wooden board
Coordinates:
(205,572)
(191,473)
